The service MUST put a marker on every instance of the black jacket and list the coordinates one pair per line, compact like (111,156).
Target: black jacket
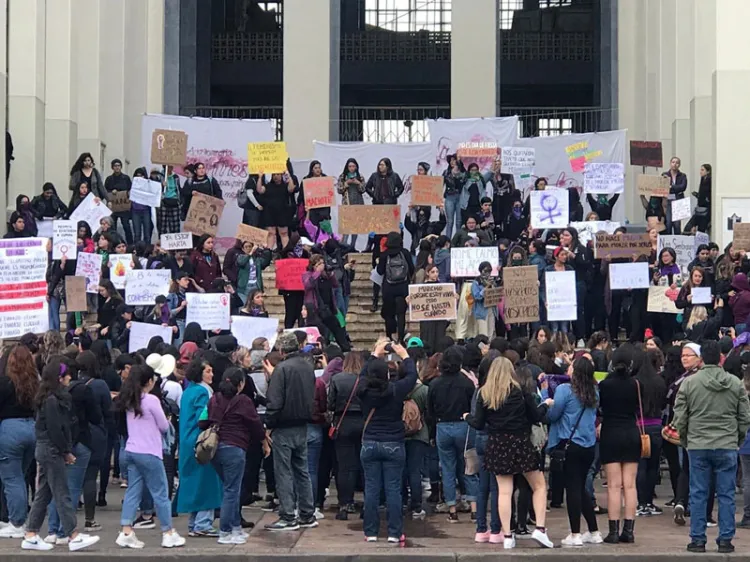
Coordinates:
(678,186)
(50,208)
(206,186)
(603,210)
(516,415)
(54,422)
(291,393)
(418,231)
(395,188)
(339,391)
(449,398)
(119,182)
(87,411)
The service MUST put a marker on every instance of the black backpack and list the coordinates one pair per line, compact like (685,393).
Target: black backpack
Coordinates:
(396,270)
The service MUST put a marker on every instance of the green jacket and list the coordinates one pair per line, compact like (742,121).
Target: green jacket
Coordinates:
(419,395)
(260,260)
(711,410)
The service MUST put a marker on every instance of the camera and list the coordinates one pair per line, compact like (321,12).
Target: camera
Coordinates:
(389,348)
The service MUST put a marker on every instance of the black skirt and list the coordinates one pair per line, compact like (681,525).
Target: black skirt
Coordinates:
(619,443)
(507,454)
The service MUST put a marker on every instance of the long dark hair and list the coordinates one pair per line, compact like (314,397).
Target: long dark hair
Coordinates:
(653,387)
(88,365)
(195,370)
(376,377)
(202,241)
(108,286)
(622,361)
(50,383)
(78,166)
(132,388)
(346,166)
(582,382)
(102,352)
(231,381)
(673,368)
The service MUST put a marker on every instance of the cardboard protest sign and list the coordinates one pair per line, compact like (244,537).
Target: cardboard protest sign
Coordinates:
(177,241)
(319,192)
(427,190)
(64,240)
(465,261)
(493,295)
(266,157)
(741,236)
(478,150)
(168,147)
(256,236)
(75,294)
(23,287)
(614,246)
(681,209)
(683,246)
(603,178)
(517,159)
(549,208)
(146,192)
(701,295)
(247,328)
(653,186)
(658,301)
(289,274)
(561,295)
(521,294)
(119,201)
(432,301)
(209,310)
(380,219)
(141,333)
(119,267)
(142,286)
(91,211)
(629,276)
(90,267)
(204,214)
(646,153)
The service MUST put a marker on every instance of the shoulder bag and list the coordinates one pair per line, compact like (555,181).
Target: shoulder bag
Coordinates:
(645,439)
(208,439)
(558,454)
(471,458)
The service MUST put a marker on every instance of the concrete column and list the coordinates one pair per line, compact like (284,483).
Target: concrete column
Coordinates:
(684,31)
(137,77)
(475,53)
(88,16)
(26,85)
(3,103)
(112,84)
(704,65)
(188,59)
(171,59)
(666,70)
(155,35)
(608,77)
(311,84)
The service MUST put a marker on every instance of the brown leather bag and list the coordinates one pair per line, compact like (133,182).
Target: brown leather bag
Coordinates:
(645,439)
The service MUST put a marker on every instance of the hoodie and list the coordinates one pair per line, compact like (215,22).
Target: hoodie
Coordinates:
(740,301)
(443,262)
(712,410)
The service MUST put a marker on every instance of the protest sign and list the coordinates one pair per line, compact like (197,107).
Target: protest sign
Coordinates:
(629,276)
(91,211)
(432,301)
(684,247)
(209,310)
(75,294)
(380,219)
(478,150)
(516,159)
(646,153)
(493,295)
(427,190)
(146,192)
(741,236)
(141,333)
(119,201)
(580,153)
(177,241)
(376,278)
(23,287)
(701,238)
(256,236)
(319,192)
(549,208)
(90,267)
(289,274)
(247,328)
(603,178)
(44,227)
(701,295)
(614,246)
(119,267)
(313,334)
(653,186)
(266,157)
(524,180)
(204,214)
(142,286)
(681,209)
(64,240)
(561,295)
(658,301)
(587,229)
(521,294)
(465,261)
(168,147)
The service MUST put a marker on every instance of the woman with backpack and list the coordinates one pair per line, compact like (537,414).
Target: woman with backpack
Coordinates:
(320,301)
(396,267)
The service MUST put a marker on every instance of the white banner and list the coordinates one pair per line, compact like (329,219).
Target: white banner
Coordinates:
(141,333)
(629,276)
(517,160)
(91,212)
(549,208)
(465,261)
(587,230)
(221,144)
(604,177)
(560,287)
(146,192)
(64,239)
(23,287)
(90,267)
(119,267)
(209,310)
(684,247)
(247,328)
(142,286)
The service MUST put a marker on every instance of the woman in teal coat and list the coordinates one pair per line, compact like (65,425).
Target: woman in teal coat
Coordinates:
(200,487)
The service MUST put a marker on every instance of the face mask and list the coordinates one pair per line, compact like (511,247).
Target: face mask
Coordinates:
(516,262)
(517,212)
(485,274)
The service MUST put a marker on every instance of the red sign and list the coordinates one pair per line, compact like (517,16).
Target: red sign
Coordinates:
(646,153)
(319,192)
(289,274)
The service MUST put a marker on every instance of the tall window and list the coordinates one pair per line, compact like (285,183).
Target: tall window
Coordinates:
(555,127)
(409,15)
(507,9)
(394,130)
(272,6)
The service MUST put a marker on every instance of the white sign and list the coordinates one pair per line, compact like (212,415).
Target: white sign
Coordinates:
(375,277)
(701,295)
(119,267)
(209,310)
(560,288)
(64,239)
(142,286)
(701,238)
(23,287)
(629,276)
(141,333)
(146,192)
(549,208)
(604,177)
(684,247)
(681,209)
(524,180)
(247,328)
(44,227)
(90,267)
(465,261)
(587,229)
(312,333)
(177,241)
(516,159)
(91,211)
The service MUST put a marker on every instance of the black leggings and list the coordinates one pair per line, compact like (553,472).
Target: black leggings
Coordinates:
(648,469)
(672,454)
(577,463)
(394,315)
(521,508)
(293,301)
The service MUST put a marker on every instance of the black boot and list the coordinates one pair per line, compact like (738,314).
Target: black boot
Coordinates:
(614,533)
(627,531)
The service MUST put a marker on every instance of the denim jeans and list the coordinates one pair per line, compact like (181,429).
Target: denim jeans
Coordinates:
(201,520)
(143,226)
(53,484)
(745,461)
(76,473)
(487,491)
(451,443)
(705,463)
(415,454)
(54,314)
(342,301)
(180,332)
(146,470)
(561,326)
(314,447)
(383,463)
(452,214)
(291,472)
(17,443)
(229,464)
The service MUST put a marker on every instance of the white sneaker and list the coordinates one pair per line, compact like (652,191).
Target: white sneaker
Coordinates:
(82,541)
(572,540)
(542,539)
(36,543)
(318,514)
(50,539)
(592,538)
(509,543)
(230,538)
(172,540)
(371,539)
(128,541)
(12,532)
(240,533)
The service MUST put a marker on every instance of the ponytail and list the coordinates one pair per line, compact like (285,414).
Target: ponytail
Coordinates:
(231,382)
(622,360)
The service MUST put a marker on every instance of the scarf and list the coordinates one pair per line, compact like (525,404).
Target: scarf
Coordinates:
(164,314)
(517,212)
(208,388)
(475,176)
(665,270)
(351,175)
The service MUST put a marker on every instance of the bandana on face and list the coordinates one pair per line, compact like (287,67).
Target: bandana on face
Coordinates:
(517,212)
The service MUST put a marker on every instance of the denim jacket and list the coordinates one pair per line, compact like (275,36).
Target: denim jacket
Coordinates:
(463,201)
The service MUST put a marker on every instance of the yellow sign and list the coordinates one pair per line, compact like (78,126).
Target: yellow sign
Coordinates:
(266,157)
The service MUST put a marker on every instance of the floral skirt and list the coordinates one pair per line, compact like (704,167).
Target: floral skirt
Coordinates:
(508,453)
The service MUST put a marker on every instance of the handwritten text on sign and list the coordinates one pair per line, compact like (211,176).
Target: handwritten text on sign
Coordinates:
(177,241)
(209,310)
(319,192)
(629,276)
(256,236)
(521,294)
(64,239)
(561,295)
(653,186)
(613,246)
(146,192)
(380,219)
(683,246)
(23,289)
(266,157)
(741,233)
(289,274)
(493,295)
(518,159)
(604,177)
(90,267)
(427,190)
(142,286)
(465,261)
(432,301)
(91,212)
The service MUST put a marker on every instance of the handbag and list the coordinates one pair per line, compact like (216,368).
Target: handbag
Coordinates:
(558,454)
(333,431)
(208,439)
(670,434)
(471,458)
(645,439)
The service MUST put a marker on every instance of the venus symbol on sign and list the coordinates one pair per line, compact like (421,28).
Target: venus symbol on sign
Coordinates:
(549,204)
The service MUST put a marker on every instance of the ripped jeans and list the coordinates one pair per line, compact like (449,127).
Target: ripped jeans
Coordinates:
(383,463)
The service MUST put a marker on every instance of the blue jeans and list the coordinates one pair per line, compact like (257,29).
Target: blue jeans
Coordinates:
(561,326)
(451,442)
(314,447)
(201,520)
(415,454)
(146,470)
(229,464)
(452,214)
(342,301)
(76,473)
(17,444)
(180,332)
(704,465)
(143,226)
(383,463)
(487,491)
(54,314)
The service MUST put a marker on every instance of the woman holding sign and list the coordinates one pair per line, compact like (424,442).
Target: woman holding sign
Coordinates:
(275,197)
(206,262)
(351,187)
(321,302)
(322,214)
(667,275)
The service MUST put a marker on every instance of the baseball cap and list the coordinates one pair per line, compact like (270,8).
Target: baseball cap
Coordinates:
(414,342)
